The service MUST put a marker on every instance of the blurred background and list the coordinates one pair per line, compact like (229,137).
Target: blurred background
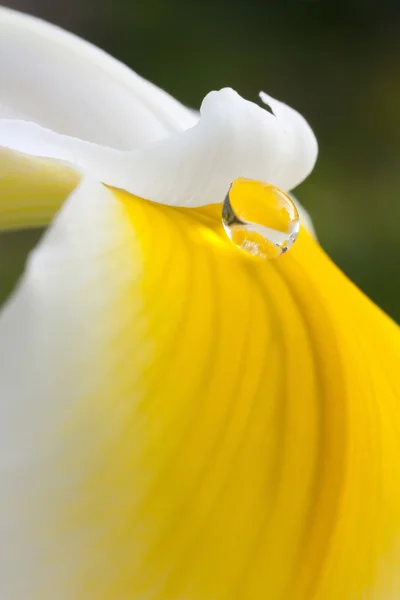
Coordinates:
(336,61)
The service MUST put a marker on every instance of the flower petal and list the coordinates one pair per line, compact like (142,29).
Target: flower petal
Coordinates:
(234,138)
(32,189)
(182,420)
(297,140)
(63,83)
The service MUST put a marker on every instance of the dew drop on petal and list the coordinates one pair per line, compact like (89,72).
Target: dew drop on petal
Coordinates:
(259,218)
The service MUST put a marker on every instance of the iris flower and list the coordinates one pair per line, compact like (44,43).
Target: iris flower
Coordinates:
(180,420)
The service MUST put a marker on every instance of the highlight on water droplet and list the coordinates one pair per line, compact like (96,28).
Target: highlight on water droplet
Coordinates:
(259,218)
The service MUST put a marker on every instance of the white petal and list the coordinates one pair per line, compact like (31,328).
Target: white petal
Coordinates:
(63,83)
(297,140)
(64,314)
(234,138)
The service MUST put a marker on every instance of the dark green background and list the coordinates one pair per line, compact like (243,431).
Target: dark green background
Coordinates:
(337,62)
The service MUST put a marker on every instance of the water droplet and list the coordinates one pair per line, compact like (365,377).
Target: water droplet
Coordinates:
(259,218)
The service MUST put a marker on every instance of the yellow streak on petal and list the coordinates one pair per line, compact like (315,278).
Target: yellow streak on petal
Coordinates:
(255,454)
(31,189)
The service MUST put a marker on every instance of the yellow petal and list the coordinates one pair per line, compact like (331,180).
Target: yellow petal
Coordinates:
(235,430)
(31,189)
(269,425)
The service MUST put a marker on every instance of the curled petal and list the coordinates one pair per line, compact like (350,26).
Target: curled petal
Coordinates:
(221,426)
(233,138)
(297,141)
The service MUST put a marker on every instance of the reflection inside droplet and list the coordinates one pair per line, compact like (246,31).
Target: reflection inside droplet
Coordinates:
(259,218)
